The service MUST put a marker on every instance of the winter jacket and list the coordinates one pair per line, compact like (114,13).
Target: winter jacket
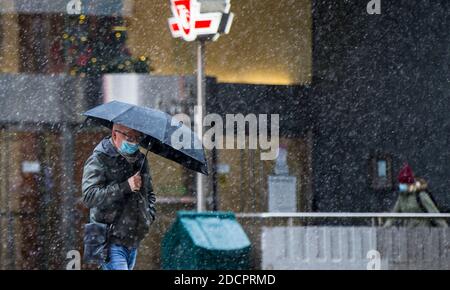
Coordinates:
(408,202)
(107,193)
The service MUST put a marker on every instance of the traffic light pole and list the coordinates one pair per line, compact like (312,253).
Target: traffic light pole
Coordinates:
(199,116)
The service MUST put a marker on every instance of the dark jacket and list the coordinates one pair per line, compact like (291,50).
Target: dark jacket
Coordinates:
(107,193)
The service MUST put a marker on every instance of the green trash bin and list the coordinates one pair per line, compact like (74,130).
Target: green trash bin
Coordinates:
(205,241)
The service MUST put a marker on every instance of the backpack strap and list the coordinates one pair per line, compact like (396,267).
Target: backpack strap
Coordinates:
(420,203)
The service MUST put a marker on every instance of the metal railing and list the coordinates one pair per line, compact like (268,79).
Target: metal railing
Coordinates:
(317,246)
(340,214)
(360,215)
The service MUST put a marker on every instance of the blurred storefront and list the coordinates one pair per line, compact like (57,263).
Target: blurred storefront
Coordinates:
(53,67)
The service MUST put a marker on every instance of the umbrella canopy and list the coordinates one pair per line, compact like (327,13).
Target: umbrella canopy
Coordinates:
(158,128)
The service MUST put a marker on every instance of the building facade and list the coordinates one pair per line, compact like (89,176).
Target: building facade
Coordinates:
(381,98)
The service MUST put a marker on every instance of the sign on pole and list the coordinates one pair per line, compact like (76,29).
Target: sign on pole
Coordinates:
(200,20)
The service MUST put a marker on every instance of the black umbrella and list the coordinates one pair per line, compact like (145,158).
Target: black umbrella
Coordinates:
(158,128)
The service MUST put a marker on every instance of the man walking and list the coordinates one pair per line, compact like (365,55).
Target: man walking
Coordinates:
(120,195)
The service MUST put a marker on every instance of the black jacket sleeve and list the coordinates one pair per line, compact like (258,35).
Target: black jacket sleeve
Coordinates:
(96,193)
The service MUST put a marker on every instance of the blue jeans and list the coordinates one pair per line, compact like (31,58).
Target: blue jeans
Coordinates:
(120,258)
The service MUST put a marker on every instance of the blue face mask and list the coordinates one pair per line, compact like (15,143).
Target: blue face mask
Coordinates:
(128,148)
(403,187)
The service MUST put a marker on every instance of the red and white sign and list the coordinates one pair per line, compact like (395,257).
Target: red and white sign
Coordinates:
(190,23)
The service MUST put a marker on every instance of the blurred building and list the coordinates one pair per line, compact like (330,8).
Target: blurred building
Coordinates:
(381,98)
(54,66)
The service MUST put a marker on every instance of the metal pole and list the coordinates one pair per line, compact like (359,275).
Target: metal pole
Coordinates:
(199,116)
(10,239)
(341,215)
(68,199)
(215,198)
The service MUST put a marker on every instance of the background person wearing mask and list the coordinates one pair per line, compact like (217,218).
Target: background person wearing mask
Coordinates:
(414,197)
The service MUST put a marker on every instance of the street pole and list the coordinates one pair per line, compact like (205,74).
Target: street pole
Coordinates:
(199,116)
(183,24)
(68,199)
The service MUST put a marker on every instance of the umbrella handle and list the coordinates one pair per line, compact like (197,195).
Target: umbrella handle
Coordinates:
(146,153)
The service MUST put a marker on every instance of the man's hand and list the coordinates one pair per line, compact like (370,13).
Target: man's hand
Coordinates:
(135,182)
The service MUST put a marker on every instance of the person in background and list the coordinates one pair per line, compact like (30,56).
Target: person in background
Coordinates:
(414,197)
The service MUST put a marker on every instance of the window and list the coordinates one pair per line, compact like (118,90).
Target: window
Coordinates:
(382,168)
(39,44)
(380,171)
